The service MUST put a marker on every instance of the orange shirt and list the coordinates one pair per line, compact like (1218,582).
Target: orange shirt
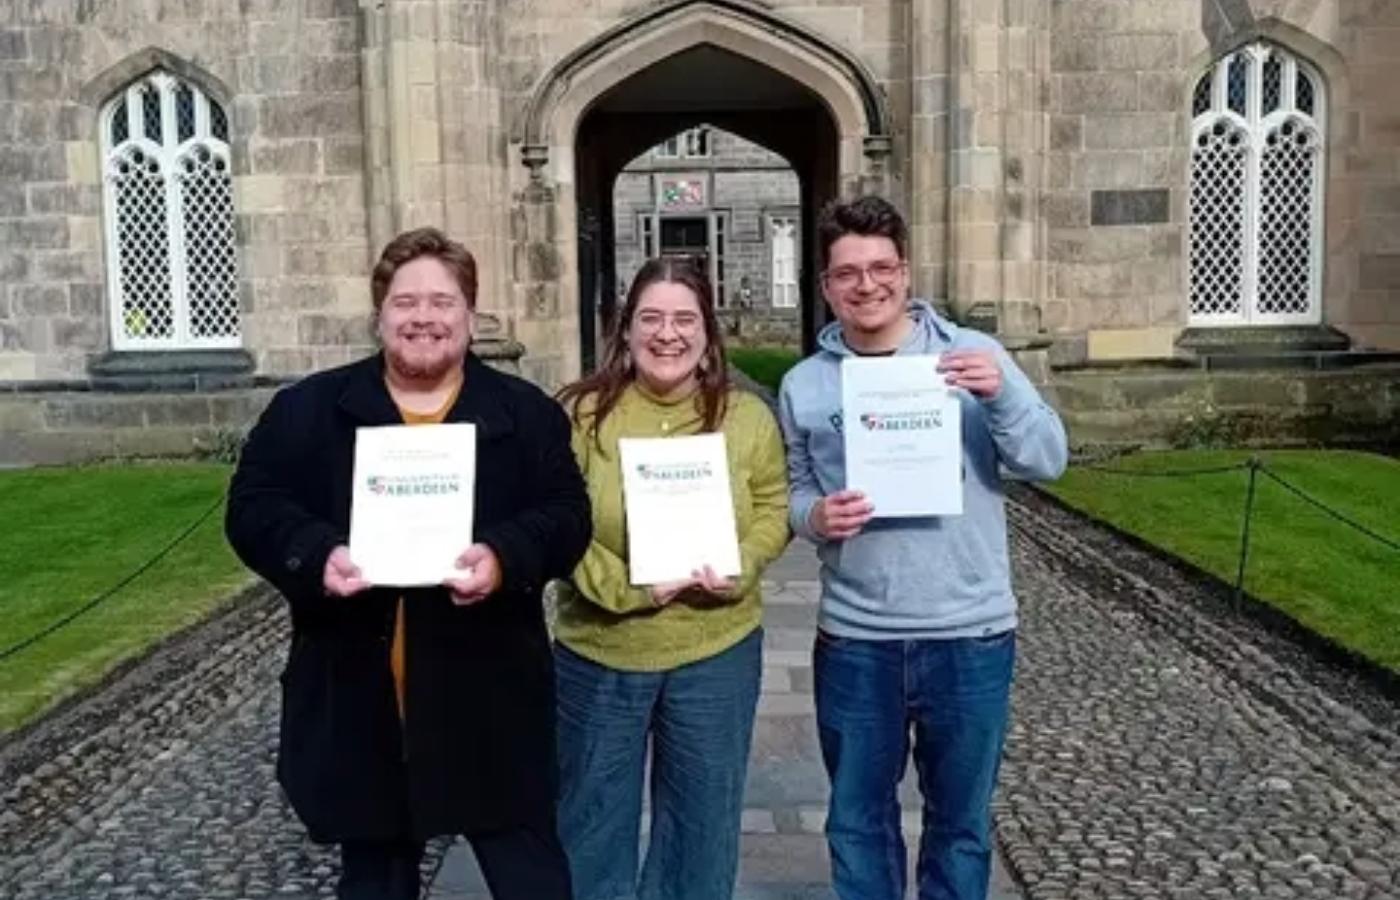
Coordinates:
(398,650)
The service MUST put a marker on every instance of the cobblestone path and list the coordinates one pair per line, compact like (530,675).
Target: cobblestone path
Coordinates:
(1162,747)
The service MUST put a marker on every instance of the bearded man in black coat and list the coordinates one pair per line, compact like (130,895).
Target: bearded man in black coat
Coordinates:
(414,712)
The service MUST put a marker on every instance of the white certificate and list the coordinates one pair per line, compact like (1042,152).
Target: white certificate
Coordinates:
(411,506)
(680,512)
(903,435)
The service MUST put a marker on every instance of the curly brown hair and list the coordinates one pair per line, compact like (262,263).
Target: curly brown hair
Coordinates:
(867,216)
(419,242)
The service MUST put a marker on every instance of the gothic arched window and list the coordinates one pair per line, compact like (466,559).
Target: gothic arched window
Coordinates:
(1257,141)
(168,199)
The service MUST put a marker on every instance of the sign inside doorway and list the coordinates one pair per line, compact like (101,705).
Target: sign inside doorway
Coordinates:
(678,192)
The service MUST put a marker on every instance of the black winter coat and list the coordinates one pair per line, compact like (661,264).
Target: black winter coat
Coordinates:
(475,750)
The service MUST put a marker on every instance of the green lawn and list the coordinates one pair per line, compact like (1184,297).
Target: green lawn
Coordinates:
(72,533)
(1323,574)
(766,365)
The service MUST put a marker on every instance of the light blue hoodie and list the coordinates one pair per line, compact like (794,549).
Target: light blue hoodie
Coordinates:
(934,577)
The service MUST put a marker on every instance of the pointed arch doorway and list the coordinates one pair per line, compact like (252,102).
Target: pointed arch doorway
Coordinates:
(703,86)
(725,63)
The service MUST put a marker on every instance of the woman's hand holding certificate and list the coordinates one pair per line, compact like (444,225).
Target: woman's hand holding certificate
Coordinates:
(705,579)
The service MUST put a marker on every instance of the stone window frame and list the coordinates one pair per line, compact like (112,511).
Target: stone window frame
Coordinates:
(190,165)
(692,143)
(1230,121)
(790,290)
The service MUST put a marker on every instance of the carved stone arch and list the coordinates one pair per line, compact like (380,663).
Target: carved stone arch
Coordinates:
(845,86)
(1321,55)
(98,89)
(562,276)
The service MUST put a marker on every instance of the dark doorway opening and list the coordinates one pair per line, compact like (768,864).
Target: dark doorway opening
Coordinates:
(701,86)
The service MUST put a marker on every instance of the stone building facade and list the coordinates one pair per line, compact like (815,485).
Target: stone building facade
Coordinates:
(1098,181)
(732,206)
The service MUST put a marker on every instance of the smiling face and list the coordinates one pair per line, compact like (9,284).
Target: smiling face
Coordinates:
(666,338)
(425,321)
(867,285)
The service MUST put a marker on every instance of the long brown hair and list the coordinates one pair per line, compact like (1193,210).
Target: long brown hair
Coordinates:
(606,383)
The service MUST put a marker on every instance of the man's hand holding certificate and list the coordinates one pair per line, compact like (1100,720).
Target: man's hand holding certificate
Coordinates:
(680,512)
(411,506)
(903,436)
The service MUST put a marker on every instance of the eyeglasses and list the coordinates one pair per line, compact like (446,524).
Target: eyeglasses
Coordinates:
(649,322)
(437,302)
(845,278)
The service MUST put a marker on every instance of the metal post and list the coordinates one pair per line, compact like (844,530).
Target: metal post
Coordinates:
(1254,465)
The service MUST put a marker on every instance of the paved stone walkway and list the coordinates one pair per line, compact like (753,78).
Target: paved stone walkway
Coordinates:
(783,853)
(1161,747)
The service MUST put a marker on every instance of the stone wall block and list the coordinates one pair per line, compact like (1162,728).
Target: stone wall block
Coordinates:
(77,411)
(1380,271)
(69,199)
(38,300)
(1076,53)
(315,116)
(1095,93)
(1128,131)
(176,410)
(330,331)
(87,300)
(1106,169)
(13,45)
(30,164)
(287,157)
(78,334)
(1136,52)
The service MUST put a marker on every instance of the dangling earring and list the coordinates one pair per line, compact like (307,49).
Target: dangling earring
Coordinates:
(704,366)
(627,360)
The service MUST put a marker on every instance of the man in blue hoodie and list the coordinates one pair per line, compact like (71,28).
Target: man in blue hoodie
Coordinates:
(917,630)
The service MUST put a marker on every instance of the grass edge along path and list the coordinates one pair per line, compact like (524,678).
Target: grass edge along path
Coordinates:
(766,365)
(1326,576)
(79,532)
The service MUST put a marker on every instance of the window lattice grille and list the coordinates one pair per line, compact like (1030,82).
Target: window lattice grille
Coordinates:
(1304,93)
(1255,191)
(1273,83)
(150,113)
(119,124)
(1237,88)
(184,112)
(1217,219)
(146,309)
(1200,102)
(211,285)
(169,195)
(1286,216)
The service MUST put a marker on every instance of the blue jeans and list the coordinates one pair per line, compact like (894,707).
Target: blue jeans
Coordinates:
(956,696)
(700,720)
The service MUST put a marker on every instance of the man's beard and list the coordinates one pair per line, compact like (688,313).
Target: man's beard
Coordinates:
(422,369)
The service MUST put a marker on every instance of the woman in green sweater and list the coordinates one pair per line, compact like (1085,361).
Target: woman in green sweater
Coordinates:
(678,662)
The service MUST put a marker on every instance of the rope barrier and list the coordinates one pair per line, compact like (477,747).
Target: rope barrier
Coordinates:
(1301,495)
(1172,473)
(110,592)
(1252,465)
